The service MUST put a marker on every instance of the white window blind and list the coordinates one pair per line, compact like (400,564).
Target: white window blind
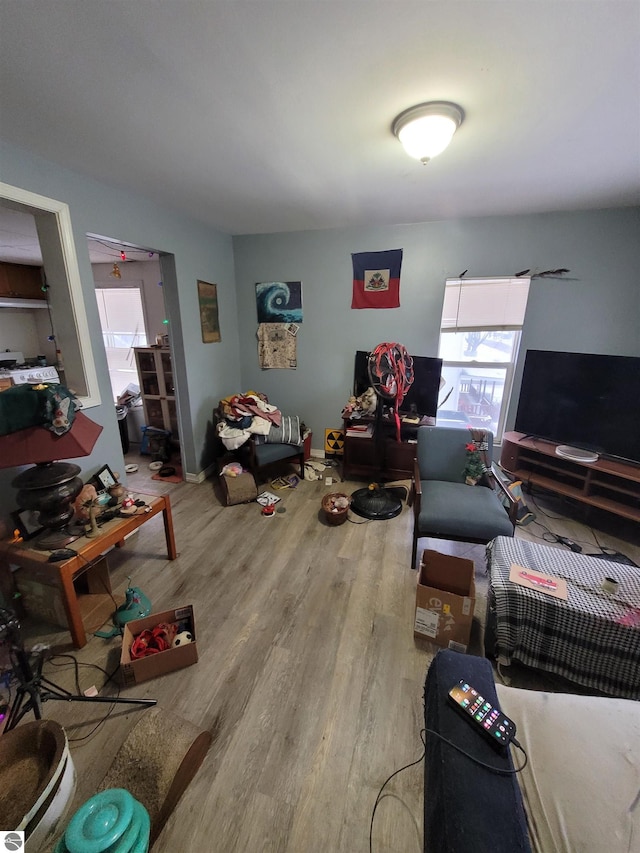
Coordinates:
(484,303)
(122,320)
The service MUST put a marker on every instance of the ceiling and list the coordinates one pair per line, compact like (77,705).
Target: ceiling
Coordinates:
(268,116)
(19,243)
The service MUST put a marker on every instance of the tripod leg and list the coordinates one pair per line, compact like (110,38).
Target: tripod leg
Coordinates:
(64,694)
(20,707)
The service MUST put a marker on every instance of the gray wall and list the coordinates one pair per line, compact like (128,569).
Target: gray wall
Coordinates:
(204,371)
(595,309)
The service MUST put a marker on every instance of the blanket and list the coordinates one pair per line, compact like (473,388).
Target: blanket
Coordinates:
(244,415)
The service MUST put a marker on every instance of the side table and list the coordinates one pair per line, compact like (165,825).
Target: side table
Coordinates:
(112,533)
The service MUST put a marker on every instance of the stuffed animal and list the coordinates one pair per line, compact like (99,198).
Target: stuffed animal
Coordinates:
(182,639)
(350,408)
(368,401)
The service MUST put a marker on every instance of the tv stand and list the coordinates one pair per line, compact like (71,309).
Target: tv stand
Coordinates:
(607,484)
(381,457)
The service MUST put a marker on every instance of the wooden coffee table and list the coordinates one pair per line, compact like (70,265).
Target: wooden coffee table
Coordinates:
(63,574)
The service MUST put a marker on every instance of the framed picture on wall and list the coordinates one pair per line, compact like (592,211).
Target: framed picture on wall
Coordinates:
(208,303)
(279,301)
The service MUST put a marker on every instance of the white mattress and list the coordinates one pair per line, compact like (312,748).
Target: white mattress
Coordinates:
(581,786)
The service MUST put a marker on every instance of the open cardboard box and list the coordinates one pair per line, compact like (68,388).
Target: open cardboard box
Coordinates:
(142,669)
(445,600)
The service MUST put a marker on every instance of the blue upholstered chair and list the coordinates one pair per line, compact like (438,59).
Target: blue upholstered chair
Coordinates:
(259,456)
(444,506)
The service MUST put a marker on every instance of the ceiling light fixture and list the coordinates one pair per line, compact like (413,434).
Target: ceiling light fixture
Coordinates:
(426,130)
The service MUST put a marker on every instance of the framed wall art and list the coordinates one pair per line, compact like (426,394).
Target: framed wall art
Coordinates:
(279,301)
(208,302)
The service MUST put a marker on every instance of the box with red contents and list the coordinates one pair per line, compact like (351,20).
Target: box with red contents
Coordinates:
(135,670)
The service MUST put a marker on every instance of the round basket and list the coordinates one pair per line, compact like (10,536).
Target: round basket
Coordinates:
(332,514)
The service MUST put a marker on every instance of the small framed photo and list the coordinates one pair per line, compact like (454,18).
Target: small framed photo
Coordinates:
(105,478)
(27,522)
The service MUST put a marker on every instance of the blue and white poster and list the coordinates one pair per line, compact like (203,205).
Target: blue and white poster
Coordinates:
(279,301)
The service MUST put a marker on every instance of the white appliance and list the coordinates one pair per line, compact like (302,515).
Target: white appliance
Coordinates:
(34,375)
(12,356)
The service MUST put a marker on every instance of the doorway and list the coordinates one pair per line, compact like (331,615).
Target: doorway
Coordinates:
(130,297)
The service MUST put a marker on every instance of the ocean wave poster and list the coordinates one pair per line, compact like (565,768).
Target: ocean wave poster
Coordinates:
(279,301)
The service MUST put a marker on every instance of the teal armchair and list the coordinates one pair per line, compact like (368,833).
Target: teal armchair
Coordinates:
(444,506)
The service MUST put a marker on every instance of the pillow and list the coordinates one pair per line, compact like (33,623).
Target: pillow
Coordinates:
(287,433)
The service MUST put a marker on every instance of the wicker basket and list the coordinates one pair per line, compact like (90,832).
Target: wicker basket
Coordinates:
(335,516)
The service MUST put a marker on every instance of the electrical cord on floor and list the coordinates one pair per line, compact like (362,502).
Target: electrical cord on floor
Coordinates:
(386,782)
(364,520)
(576,546)
(109,676)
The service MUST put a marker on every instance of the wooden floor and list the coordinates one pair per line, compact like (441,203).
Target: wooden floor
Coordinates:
(309,677)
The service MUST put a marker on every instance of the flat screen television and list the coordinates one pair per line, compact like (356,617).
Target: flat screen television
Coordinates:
(587,401)
(424,391)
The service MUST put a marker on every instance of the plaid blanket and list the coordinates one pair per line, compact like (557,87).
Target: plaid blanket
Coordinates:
(593,638)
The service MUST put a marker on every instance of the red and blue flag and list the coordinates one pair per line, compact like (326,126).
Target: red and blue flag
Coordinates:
(376,279)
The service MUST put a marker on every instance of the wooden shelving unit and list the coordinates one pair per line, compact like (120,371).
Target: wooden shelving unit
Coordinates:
(155,372)
(381,456)
(607,484)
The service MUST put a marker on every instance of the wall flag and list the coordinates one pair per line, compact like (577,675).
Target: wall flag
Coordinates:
(376,279)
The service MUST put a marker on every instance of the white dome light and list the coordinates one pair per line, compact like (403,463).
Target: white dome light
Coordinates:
(427,129)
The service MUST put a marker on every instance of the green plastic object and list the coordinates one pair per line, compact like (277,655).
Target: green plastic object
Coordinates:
(136,606)
(110,822)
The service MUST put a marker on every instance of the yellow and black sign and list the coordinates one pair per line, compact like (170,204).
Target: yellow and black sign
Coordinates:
(334,441)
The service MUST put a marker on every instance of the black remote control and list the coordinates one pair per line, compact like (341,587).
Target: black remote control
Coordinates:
(486,719)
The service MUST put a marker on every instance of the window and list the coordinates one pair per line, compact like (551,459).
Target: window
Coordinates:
(479,339)
(122,320)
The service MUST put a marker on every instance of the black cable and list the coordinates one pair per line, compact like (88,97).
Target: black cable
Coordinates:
(109,677)
(395,773)
(556,538)
(128,250)
(498,770)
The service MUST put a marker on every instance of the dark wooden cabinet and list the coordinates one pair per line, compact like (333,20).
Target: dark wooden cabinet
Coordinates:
(607,484)
(381,457)
(19,281)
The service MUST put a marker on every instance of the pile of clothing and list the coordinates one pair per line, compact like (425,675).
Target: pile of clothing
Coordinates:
(244,415)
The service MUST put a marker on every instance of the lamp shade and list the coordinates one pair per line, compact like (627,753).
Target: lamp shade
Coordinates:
(427,129)
(37,444)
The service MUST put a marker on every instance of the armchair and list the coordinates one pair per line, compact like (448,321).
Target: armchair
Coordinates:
(257,449)
(257,456)
(444,506)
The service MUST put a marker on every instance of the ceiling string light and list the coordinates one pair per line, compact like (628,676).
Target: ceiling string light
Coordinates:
(115,272)
(119,251)
(426,129)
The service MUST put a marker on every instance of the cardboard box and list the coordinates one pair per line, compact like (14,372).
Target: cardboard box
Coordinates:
(445,599)
(136,671)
